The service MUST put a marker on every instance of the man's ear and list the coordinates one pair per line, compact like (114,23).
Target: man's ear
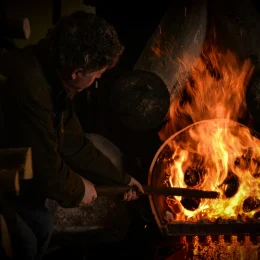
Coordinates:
(76,73)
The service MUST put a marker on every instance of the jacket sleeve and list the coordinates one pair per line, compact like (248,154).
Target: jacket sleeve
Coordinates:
(29,122)
(85,159)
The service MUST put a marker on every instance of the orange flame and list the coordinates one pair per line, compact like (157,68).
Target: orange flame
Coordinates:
(215,89)
(216,150)
(210,141)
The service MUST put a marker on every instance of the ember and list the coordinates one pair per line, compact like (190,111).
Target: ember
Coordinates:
(222,249)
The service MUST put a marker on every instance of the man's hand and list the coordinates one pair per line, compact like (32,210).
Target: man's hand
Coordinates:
(133,194)
(90,193)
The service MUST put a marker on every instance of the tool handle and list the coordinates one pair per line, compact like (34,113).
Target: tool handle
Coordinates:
(112,190)
(156,190)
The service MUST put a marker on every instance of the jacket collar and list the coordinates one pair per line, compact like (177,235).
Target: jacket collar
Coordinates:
(52,76)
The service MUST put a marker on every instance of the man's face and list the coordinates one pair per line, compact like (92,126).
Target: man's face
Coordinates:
(81,80)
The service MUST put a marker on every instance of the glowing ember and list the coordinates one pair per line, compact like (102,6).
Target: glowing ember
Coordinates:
(212,151)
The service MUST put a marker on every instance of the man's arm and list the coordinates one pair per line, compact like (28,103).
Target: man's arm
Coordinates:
(29,119)
(85,159)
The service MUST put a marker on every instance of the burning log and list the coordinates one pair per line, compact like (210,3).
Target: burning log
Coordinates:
(193,176)
(194,170)
(251,203)
(231,185)
(190,203)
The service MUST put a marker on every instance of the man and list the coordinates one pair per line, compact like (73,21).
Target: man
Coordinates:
(40,83)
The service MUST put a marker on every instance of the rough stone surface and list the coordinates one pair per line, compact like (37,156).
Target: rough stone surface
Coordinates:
(104,213)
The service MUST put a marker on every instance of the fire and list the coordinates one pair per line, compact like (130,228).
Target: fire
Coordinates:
(211,150)
(215,89)
(220,155)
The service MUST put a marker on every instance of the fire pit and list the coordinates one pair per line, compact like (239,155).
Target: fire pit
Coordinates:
(220,155)
(208,144)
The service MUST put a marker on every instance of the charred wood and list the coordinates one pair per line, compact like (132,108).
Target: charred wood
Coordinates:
(251,203)
(230,185)
(193,176)
(190,203)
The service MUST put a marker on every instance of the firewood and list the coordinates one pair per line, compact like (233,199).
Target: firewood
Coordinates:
(15,165)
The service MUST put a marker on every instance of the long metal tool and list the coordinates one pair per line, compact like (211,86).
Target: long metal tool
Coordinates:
(157,190)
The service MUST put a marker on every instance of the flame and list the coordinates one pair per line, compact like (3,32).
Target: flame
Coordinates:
(215,89)
(217,151)
(209,145)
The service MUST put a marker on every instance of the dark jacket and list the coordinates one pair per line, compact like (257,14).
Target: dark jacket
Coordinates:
(38,113)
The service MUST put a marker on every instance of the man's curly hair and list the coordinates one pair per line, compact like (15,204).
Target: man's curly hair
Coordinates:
(84,40)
